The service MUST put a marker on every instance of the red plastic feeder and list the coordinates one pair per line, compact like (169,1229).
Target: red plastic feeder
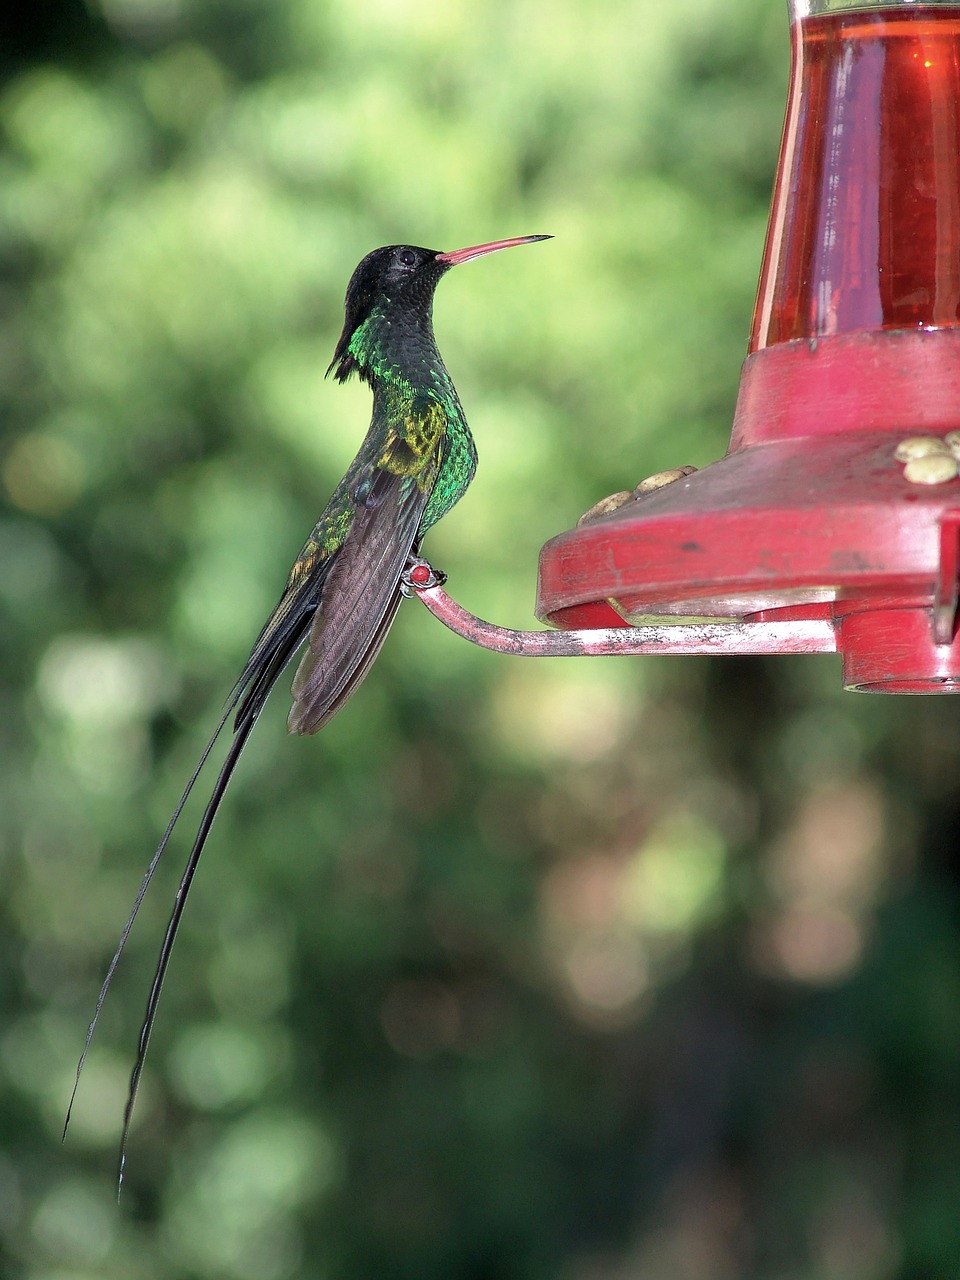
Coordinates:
(836,511)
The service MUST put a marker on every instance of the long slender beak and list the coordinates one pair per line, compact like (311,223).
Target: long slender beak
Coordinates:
(478,250)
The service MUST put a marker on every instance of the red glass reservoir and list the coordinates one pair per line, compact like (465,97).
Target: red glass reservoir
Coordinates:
(854,349)
(866,211)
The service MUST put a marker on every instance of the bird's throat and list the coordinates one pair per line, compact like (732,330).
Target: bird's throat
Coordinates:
(393,346)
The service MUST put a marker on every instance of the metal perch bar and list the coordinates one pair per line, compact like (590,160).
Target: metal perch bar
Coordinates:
(793,637)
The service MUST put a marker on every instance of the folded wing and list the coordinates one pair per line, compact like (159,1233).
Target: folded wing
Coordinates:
(362,589)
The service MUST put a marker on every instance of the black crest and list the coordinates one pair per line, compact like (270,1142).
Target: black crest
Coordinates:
(402,275)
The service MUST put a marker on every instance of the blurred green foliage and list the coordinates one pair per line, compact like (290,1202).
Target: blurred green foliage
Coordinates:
(585,970)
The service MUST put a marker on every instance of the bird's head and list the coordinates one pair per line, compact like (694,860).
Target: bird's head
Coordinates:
(396,281)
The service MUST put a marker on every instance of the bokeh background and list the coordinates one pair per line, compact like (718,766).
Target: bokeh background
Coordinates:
(581,970)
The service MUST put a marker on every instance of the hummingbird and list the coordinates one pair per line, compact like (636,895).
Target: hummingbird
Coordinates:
(341,596)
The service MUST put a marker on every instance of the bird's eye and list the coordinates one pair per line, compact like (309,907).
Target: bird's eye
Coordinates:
(408,258)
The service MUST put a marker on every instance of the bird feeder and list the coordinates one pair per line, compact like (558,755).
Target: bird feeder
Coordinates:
(833,522)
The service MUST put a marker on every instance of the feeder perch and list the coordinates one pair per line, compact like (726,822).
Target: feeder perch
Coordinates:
(833,522)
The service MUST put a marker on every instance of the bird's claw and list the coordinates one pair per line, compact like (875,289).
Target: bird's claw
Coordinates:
(420,575)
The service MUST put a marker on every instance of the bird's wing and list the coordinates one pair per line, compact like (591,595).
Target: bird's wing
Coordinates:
(362,591)
(288,625)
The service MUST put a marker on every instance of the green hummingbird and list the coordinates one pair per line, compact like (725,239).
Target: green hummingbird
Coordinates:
(342,594)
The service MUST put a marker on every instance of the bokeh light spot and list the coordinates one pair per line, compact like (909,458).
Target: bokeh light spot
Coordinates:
(43,474)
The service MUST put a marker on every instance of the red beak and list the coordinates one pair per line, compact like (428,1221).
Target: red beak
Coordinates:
(478,250)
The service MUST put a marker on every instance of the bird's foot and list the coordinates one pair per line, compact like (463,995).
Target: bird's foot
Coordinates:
(420,575)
